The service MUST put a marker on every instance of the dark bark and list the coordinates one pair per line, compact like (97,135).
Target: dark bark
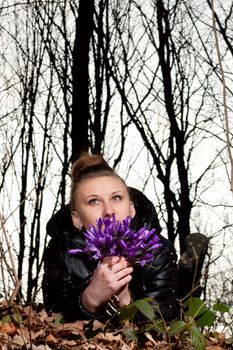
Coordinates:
(80,74)
(177,133)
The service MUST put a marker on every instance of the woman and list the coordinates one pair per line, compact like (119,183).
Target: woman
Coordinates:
(81,289)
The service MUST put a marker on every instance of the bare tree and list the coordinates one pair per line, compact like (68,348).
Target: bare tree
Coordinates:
(41,90)
(163,55)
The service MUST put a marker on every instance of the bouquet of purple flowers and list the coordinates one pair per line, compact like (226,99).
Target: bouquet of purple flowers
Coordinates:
(113,238)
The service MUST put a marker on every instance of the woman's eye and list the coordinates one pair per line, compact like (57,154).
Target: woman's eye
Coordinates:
(116,198)
(93,201)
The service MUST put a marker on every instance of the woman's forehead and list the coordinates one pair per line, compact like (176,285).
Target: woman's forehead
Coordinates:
(101,185)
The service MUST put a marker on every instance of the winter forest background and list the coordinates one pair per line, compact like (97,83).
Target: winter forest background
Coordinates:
(147,83)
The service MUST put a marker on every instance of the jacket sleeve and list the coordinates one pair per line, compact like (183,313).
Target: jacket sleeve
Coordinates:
(160,281)
(61,292)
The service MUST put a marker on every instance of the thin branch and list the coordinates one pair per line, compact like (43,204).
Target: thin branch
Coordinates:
(224,94)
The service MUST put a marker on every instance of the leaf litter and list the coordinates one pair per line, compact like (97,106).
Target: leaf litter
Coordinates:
(31,328)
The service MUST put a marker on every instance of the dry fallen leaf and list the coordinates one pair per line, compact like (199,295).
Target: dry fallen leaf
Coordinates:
(8,328)
(43,315)
(149,336)
(68,342)
(19,341)
(41,347)
(51,339)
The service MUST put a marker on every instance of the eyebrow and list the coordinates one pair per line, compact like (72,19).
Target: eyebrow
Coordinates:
(96,195)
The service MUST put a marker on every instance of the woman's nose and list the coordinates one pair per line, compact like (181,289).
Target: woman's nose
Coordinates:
(108,210)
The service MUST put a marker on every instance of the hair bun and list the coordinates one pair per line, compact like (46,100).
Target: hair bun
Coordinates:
(87,160)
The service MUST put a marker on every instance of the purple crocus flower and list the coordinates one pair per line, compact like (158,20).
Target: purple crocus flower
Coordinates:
(113,238)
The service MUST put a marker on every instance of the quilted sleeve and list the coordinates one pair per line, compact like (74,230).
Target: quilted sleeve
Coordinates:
(161,282)
(62,289)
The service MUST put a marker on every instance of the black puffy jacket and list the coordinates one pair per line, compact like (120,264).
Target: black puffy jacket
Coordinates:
(66,276)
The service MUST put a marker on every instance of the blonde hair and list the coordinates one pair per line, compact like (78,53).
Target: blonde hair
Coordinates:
(89,166)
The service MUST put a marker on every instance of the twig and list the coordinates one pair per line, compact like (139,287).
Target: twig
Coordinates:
(15,291)
(2,221)
(224,94)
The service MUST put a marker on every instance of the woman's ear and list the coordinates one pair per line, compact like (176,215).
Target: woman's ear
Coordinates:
(76,220)
(132,210)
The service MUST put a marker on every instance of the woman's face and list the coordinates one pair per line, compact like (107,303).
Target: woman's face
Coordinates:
(101,197)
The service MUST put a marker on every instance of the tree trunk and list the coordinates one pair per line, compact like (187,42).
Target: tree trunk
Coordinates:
(80,108)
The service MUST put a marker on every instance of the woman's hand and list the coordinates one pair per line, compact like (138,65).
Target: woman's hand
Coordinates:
(110,278)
